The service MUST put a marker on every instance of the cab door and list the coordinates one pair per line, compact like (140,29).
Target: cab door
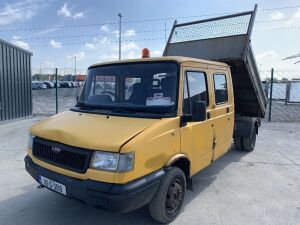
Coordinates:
(222,113)
(196,137)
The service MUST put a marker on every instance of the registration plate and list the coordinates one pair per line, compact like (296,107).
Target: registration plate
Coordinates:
(53,185)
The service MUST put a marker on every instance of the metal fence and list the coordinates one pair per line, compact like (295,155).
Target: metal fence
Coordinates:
(285,94)
(15,87)
(284,98)
(48,100)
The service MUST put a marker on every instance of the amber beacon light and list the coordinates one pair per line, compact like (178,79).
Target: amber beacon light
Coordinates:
(145,53)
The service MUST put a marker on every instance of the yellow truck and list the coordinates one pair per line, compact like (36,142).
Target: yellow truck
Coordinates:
(142,128)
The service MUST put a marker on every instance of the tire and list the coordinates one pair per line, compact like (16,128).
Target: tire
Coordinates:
(246,144)
(238,143)
(249,142)
(166,203)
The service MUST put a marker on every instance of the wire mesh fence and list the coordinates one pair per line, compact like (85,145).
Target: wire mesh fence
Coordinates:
(285,95)
(285,98)
(236,25)
(44,89)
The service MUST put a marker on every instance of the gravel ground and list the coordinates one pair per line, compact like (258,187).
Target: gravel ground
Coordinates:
(261,187)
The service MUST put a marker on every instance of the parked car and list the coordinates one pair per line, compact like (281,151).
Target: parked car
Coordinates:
(66,84)
(74,85)
(36,85)
(58,84)
(49,84)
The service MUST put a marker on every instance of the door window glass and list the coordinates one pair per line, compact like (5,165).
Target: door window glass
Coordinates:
(197,86)
(221,93)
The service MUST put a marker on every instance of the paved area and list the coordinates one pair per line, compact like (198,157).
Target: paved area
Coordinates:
(262,187)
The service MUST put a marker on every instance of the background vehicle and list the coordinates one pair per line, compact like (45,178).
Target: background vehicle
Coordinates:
(66,84)
(36,85)
(49,84)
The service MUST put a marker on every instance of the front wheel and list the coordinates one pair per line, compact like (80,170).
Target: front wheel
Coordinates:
(167,202)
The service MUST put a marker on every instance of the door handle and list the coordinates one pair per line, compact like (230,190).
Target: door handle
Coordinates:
(227,110)
(214,143)
(208,115)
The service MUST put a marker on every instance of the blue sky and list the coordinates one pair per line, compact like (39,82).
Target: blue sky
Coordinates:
(56,42)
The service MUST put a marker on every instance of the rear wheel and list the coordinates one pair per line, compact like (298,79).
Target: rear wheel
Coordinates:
(246,143)
(249,142)
(167,202)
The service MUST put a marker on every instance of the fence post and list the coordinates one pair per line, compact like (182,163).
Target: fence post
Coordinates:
(56,91)
(271,95)
(287,93)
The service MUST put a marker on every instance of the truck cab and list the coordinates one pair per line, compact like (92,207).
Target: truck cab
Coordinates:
(140,131)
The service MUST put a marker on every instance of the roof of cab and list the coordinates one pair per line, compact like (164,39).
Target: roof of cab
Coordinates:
(179,59)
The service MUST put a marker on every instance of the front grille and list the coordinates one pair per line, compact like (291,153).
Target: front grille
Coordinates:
(65,156)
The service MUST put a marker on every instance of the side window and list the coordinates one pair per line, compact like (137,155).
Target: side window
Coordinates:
(195,89)
(221,93)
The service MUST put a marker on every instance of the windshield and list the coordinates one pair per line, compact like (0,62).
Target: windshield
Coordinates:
(146,87)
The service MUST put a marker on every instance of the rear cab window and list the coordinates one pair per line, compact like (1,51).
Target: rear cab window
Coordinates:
(221,88)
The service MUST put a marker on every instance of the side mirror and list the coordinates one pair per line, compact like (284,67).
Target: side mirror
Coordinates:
(199,111)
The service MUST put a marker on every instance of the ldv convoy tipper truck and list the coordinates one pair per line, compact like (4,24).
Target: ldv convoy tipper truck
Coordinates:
(142,128)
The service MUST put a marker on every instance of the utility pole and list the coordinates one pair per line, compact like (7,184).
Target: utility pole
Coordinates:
(75,57)
(120,33)
(56,92)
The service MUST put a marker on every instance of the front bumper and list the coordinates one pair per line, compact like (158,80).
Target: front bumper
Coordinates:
(114,197)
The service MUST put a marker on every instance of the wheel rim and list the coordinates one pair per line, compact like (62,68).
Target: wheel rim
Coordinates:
(174,196)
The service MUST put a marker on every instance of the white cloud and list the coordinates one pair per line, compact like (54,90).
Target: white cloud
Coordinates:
(49,63)
(295,18)
(78,15)
(104,28)
(103,40)
(276,15)
(108,57)
(155,53)
(268,55)
(297,14)
(132,55)
(130,46)
(129,33)
(20,11)
(66,12)
(78,55)
(90,45)
(55,44)
(16,40)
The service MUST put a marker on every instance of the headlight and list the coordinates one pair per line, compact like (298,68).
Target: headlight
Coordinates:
(30,140)
(114,162)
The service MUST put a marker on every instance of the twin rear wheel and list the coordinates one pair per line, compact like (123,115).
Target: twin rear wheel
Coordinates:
(167,202)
